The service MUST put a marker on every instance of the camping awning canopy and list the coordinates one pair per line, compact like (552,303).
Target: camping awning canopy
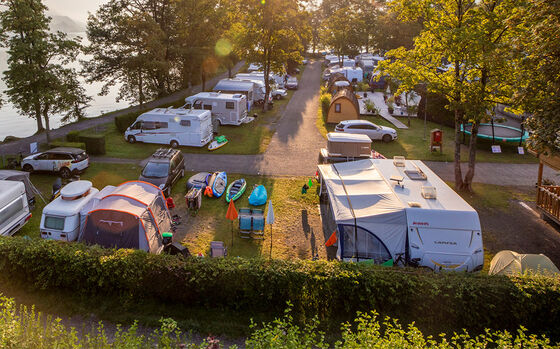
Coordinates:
(360,196)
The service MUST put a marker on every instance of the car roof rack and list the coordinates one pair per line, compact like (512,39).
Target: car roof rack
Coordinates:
(164,153)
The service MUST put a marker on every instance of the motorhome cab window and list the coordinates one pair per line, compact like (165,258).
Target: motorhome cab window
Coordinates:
(136,126)
(56,223)
(197,106)
(230,105)
(11,210)
(186,123)
(207,107)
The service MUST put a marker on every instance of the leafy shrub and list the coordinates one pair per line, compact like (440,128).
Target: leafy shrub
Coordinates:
(332,290)
(362,86)
(80,145)
(438,111)
(95,144)
(122,122)
(73,136)
(325,104)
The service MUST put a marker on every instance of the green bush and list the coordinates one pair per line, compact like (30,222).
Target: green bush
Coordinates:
(73,136)
(95,144)
(437,110)
(333,291)
(57,144)
(325,104)
(124,121)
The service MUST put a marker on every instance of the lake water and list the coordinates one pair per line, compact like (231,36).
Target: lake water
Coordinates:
(14,124)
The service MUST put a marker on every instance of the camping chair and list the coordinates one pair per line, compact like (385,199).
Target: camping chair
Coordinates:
(258,224)
(218,249)
(245,223)
(194,199)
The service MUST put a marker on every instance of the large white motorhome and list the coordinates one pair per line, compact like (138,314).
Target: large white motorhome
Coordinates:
(259,89)
(367,65)
(400,210)
(14,208)
(246,88)
(228,109)
(175,127)
(61,218)
(275,91)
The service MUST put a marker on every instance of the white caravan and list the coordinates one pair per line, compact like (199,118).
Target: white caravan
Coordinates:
(61,218)
(275,91)
(14,209)
(172,126)
(400,210)
(352,74)
(228,109)
(279,79)
(236,86)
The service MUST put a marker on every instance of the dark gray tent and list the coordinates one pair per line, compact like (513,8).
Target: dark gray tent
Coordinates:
(20,176)
(133,215)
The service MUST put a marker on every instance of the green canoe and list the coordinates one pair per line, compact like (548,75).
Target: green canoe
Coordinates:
(235,190)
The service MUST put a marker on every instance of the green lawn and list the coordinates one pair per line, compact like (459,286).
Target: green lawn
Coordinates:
(411,143)
(296,216)
(251,138)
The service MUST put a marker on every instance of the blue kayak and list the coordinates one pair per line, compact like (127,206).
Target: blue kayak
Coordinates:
(218,183)
(258,196)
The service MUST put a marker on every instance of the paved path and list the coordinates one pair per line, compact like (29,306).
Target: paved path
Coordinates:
(377,98)
(294,147)
(497,174)
(22,145)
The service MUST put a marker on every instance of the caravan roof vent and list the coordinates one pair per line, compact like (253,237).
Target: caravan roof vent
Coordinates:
(75,190)
(429,192)
(215,94)
(237,95)
(398,161)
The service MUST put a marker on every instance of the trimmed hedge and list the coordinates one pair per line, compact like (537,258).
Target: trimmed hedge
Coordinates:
(124,121)
(80,145)
(73,136)
(332,290)
(95,144)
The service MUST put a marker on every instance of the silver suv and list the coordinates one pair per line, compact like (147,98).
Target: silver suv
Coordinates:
(64,161)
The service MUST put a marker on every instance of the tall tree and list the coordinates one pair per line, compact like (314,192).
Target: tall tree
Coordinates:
(131,43)
(474,37)
(38,82)
(538,74)
(341,32)
(268,35)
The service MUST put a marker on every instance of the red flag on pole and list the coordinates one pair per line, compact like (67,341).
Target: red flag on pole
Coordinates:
(231,212)
(332,240)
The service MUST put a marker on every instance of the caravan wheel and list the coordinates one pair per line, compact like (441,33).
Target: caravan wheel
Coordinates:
(174,144)
(131,139)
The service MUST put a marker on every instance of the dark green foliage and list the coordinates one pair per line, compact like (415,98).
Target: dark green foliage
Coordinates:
(333,291)
(73,136)
(325,104)
(95,144)
(437,111)
(124,121)
(80,145)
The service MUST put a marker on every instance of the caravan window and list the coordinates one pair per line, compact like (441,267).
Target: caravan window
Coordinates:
(161,124)
(11,210)
(197,105)
(230,105)
(149,125)
(337,107)
(368,245)
(56,223)
(186,123)
(207,107)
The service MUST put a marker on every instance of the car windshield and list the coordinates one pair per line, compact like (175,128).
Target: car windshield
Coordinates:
(292,80)
(156,170)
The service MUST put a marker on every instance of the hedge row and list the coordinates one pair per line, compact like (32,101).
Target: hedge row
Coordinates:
(332,290)
(122,122)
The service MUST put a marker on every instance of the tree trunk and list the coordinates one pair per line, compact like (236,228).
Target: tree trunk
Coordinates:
(38,118)
(140,88)
(47,124)
(457,156)
(467,182)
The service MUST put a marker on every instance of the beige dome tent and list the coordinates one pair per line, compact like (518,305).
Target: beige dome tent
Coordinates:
(513,263)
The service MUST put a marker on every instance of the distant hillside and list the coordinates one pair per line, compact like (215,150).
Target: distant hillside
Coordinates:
(66,24)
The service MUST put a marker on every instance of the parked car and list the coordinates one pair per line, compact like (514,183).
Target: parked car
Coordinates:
(62,160)
(292,83)
(375,132)
(163,169)
(305,61)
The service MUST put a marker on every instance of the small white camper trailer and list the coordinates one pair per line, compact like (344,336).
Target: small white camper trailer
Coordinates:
(14,208)
(386,209)
(172,126)
(228,109)
(61,218)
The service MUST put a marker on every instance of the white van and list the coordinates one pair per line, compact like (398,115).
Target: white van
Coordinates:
(400,210)
(61,218)
(187,127)
(228,109)
(279,79)
(275,91)
(14,209)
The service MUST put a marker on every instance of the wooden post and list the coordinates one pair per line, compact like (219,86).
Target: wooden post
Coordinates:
(539,178)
